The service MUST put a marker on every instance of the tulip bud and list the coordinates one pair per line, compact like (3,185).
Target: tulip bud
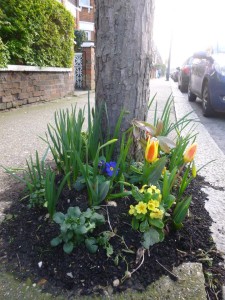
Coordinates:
(189,154)
(194,171)
(151,152)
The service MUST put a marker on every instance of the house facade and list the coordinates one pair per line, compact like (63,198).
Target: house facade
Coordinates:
(84,14)
(85,18)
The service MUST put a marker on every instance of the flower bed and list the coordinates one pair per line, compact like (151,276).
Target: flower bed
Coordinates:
(96,220)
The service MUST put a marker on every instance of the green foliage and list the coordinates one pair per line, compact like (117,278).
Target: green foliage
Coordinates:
(180,211)
(4,55)
(65,139)
(39,32)
(52,192)
(97,185)
(148,214)
(80,37)
(34,179)
(75,228)
(84,160)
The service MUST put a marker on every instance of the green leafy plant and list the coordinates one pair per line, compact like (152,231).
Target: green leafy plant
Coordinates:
(181,211)
(66,138)
(33,177)
(76,227)
(97,185)
(4,54)
(37,32)
(148,213)
(79,37)
(52,192)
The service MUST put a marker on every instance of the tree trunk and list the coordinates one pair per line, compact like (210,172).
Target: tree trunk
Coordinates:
(123,58)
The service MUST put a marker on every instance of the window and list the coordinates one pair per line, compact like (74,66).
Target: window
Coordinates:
(88,35)
(85,3)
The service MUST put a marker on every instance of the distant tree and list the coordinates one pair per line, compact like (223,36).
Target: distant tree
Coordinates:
(123,58)
(80,37)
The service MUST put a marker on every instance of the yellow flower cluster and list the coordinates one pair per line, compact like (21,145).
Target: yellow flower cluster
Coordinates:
(152,190)
(152,206)
(143,208)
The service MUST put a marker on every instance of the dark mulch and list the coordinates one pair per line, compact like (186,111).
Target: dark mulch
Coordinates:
(25,241)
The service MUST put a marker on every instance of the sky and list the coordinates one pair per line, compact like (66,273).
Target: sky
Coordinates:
(191,25)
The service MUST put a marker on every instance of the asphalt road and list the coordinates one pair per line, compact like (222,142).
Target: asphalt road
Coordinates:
(214,125)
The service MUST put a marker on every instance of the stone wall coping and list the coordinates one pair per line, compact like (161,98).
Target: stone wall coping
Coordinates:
(21,68)
(88,45)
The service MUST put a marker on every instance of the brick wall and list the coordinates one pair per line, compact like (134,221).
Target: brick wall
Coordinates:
(19,88)
(88,68)
(87,15)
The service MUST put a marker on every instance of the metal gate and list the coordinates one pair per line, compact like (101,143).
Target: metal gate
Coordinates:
(78,66)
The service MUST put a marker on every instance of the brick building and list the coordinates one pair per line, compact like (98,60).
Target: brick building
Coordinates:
(84,14)
(85,18)
(83,11)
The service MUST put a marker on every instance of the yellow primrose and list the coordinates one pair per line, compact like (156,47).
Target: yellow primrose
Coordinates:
(164,170)
(143,188)
(156,214)
(153,187)
(141,208)
(132,210)
(152,204)
(160,197)
(151,151)
(150,190)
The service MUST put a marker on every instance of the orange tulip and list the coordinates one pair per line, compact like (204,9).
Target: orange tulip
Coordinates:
(189,154)
(151,152)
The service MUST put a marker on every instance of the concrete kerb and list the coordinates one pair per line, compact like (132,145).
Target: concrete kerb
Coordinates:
(208,151)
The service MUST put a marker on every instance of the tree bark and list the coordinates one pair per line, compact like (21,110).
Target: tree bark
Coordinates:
(123,58)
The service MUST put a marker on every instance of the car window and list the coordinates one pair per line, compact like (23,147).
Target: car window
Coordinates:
(196,61)
(190,61)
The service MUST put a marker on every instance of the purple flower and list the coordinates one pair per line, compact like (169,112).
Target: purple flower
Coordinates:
(110,168)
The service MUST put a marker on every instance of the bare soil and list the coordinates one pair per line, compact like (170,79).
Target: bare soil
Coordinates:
(26,252)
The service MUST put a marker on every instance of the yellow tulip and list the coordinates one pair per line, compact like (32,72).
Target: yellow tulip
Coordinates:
(189,154)
(151,151)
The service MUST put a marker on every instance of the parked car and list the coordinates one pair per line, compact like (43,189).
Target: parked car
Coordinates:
(174,75)
(207,81)
(184,74)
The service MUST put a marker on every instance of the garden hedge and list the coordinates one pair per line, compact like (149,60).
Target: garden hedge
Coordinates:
(36,32)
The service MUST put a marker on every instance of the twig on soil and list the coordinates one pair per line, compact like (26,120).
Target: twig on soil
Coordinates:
(110,226)
(18,261)
(141,263)
(172,275)
(107,212)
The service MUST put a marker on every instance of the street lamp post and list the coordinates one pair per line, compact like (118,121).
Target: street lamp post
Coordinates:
(169,59)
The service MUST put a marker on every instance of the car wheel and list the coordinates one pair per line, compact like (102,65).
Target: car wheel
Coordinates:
(206,105)
(183,88)
(191,97)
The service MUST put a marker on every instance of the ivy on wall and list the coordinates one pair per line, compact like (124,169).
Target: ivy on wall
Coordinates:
(36,32)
